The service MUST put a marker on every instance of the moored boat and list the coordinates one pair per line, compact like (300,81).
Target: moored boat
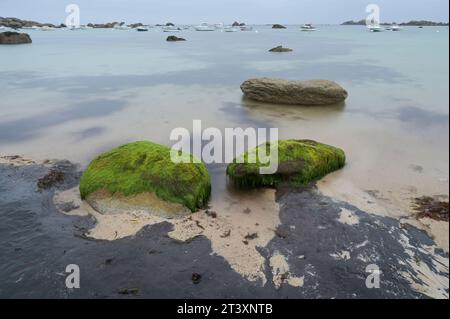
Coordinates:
(246,28)
(47,28)
(231,29)
(375,28)
(121,27)
(171,29)
(204,27)
(308,27)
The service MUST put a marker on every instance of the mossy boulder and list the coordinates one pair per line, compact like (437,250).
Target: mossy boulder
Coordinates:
(142,175)
(299,163)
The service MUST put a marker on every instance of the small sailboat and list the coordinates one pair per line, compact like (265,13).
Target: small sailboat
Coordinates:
(204,27)
(308,27)
(395,28)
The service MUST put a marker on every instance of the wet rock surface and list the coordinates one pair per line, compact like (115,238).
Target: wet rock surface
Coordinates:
(327,255)
(14,38)
(173,38)
(278,91)
(280,49)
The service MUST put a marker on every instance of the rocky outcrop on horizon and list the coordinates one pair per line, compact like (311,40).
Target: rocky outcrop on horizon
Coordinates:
(108,25)
(422,23)
(425,23)
(352,22)
(15,23)
(238,24)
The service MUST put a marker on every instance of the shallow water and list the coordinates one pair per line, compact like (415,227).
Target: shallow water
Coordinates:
(74,94)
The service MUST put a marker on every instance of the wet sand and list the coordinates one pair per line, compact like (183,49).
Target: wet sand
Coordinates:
(308,246)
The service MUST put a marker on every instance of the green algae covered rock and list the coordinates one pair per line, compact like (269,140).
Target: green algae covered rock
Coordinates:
(299,163)
(141,175)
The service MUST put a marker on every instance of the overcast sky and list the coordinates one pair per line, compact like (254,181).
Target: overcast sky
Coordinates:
(226,11)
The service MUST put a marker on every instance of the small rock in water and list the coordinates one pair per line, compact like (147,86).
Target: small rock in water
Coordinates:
(278,26)
(278,91)
(172,38)
(14,38)
(280,49)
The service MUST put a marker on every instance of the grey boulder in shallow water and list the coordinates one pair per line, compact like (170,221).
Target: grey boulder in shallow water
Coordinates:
(14,38)
(313,92)
(172,38)
(280,49)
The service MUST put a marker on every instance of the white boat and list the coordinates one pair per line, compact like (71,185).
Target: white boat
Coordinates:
(204,27)
(47,28)
(395,28)
(246,28)
(231,29)
(121,27)
(171,29)
(308,27)
(375,28)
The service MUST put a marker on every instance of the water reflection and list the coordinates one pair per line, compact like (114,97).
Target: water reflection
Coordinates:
(27,128)
(281,112)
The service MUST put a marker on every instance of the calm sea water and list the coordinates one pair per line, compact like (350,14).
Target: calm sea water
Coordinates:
(73,94)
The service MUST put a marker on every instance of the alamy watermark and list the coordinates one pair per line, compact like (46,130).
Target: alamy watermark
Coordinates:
(374,17)
(73,279)
(73,19)
(212,147)
(373,279)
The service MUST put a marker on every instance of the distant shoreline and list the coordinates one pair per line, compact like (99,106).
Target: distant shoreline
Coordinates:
(16,23)
(412,23)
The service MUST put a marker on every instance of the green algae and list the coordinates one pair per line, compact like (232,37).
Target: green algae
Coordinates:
(144,166)
(300,162)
